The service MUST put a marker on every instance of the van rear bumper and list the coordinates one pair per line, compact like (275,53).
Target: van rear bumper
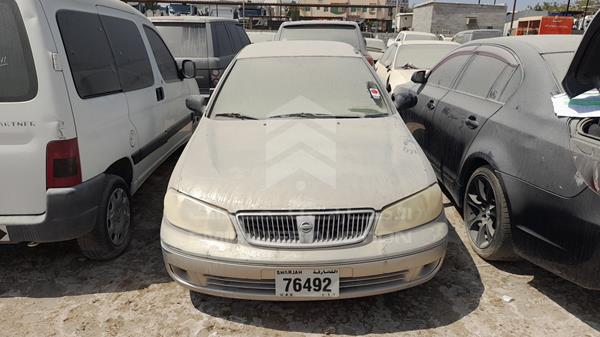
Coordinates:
(70,213)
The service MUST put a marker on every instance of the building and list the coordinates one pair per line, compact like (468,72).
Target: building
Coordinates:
(450,18)
(403,21)
(379,19)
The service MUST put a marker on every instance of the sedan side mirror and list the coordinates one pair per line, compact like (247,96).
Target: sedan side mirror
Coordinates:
(188,69)
(196,104)
(419,77)
(403,98)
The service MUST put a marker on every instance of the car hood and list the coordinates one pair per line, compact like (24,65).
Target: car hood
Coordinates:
(401,76)
(584,72)
(302,164)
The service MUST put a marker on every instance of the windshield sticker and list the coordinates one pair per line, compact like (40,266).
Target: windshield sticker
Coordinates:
(375,94)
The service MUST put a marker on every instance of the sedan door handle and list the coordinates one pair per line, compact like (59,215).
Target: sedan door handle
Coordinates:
(431,105)
(472,122)
(160,94)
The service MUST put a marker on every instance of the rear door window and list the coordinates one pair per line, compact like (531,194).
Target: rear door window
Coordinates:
(221,42)
(166,63)
(473,83)
(17,71)
(89,54)
(130,53)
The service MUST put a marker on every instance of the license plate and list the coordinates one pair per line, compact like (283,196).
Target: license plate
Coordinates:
(307,283)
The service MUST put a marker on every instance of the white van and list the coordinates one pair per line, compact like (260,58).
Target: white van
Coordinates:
(91,102)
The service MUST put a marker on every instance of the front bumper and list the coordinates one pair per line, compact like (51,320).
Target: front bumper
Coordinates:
(70,213)
(239,270)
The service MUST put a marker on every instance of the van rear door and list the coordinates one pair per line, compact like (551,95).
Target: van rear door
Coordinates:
(34,108)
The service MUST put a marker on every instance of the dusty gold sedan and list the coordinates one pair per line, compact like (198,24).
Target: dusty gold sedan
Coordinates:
(301,182)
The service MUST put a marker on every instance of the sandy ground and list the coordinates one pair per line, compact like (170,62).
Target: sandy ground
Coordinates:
(51,290)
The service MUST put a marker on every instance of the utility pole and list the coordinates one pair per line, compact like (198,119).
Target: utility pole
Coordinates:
(585,11)
(512,19)
(396,15)
(568,5)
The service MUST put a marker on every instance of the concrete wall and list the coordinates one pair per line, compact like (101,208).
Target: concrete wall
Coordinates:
(451,18)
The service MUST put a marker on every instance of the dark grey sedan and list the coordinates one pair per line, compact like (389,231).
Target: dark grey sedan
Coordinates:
(526,180)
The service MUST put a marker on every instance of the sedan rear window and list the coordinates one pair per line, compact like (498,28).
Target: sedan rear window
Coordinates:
(263,88)
(559,64)
(17,71)
(184,40)
(346,34)
(419,37)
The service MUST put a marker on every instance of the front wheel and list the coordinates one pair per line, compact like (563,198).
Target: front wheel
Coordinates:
(486,216)
(112,232)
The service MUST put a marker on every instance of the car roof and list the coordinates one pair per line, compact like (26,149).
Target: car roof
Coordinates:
(417,42)
(319,22)
(189,19)
(543,44)
(410,32)
(298,48)
(479,30)
(120,5)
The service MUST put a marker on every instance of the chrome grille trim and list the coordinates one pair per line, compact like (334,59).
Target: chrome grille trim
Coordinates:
(267,286)
(330,228)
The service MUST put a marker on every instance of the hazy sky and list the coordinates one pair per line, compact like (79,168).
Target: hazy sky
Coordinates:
(521,4)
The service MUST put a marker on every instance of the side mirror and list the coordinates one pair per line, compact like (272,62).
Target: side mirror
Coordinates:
(419,77)
(196,104)
(403,98)
(188,69)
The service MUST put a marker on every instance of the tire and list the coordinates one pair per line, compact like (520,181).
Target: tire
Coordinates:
(112,232)
(486,216)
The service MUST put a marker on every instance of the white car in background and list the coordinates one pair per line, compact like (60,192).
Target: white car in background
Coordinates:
(375,48)
(402,59)
(258,36)
(305,189)
(408,35)
(91,102)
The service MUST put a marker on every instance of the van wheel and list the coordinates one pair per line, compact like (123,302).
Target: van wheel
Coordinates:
(112,231)
(486,216)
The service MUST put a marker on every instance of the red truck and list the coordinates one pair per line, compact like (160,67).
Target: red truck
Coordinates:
(537,25)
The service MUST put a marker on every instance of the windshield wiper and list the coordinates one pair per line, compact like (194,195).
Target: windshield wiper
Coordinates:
(310,115)
(234,115)
(376,115)
(409,66)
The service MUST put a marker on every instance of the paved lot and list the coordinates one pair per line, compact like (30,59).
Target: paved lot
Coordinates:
(50,290)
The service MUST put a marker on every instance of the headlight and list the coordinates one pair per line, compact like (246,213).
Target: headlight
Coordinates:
(198,217)
(411,212)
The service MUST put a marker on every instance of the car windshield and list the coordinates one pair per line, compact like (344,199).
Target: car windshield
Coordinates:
(346,34)
(423,56)
(184,40)
(559,63)
(418,37)
(299,87)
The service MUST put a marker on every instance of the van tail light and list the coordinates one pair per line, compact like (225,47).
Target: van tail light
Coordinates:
(370,60)
(63,167)
(215,76)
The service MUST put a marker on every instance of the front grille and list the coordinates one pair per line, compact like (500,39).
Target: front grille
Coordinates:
(267,287)
(306,229)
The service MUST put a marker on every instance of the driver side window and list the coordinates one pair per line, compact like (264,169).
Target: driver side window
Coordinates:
(444,74)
